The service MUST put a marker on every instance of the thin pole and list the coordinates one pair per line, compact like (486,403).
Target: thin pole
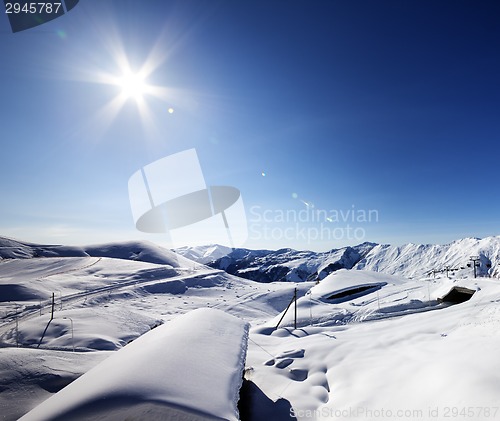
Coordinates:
(17,323)
(17,331)
(289,304)
(53,303)
(295,298)
(310,309)
(72,333)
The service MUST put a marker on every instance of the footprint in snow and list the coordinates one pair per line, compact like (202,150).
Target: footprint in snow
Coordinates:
(298,374)
(284,363)
(296,353)
(285,359)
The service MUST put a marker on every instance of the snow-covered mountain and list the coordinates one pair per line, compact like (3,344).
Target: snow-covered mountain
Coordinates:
(204,254)
(288,264)
(409,260)
(416,260)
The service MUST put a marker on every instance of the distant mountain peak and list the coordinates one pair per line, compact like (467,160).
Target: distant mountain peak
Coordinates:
(410,260)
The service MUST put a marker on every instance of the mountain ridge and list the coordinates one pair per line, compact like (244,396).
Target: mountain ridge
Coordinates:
(409,260)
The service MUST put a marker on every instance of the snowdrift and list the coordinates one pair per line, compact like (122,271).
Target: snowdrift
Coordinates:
(188,369)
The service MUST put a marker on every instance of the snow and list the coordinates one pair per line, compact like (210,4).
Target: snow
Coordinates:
(191,365)
(30,376)
(368,343)
(443,358)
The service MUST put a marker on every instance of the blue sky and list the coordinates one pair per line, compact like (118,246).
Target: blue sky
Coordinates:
(360,106)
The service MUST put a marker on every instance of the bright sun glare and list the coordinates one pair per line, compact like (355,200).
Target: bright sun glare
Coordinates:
(132,85)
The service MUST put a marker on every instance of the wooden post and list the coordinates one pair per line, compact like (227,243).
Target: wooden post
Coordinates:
(17,331)
(53,303)
(289,304)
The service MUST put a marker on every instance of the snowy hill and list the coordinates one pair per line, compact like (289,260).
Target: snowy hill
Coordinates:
(410,260)
(14,249)
(143,251)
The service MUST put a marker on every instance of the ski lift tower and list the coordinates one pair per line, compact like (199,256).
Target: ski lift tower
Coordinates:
(474,263)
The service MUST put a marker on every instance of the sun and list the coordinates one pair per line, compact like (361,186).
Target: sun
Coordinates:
(132,82)
(133,85)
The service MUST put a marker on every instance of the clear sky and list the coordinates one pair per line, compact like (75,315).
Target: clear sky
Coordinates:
(388,110)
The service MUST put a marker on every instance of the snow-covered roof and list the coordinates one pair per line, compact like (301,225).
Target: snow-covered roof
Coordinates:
(344,279)
(190,368)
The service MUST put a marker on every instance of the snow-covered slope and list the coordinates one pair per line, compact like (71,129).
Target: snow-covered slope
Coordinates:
(113,301)
(392,353)
(188,369)
(29,376)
